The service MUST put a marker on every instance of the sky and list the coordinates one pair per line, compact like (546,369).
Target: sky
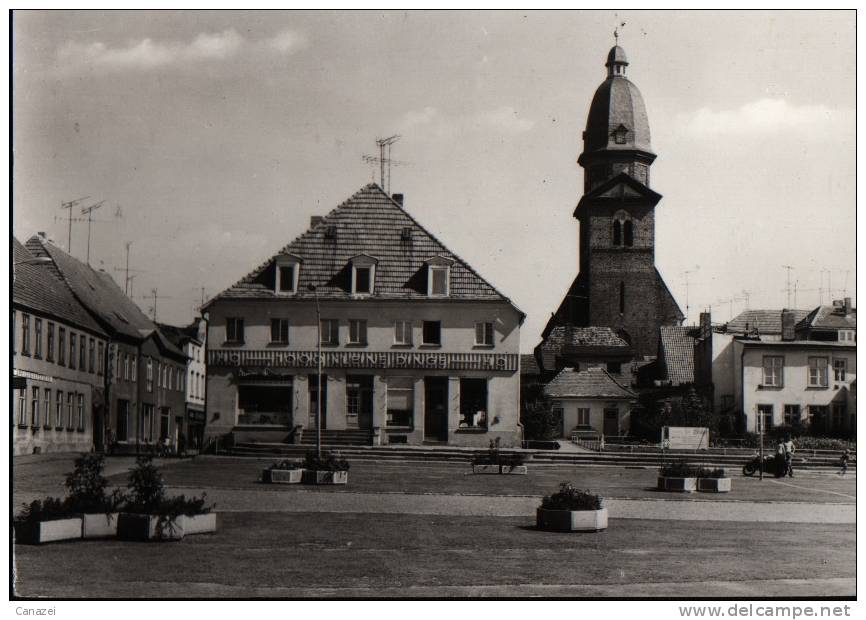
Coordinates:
(213,137)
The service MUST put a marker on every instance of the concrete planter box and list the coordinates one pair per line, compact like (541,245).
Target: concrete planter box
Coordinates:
(683,485)
(499,469)
(485,469)
(131,526)
(714,485)
(200,524)
(514,470)
(99,525)
(48,531)
(324,477)
(282,476)
(571,520)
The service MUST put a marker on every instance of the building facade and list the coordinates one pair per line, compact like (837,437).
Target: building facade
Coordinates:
(591,402)
(618,285)
(58,363)
(415,346)
(192,341)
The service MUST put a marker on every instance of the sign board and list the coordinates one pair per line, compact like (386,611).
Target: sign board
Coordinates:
(686,437)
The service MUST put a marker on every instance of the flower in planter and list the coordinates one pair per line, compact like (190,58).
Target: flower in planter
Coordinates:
(147,494)
(494,456)
(328,461)
(707,472)
(286,465)
(48,509)
(679,469)
(570,498)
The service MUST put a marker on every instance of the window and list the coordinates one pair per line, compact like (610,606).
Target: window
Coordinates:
(617,232)
(818,372)
(583,416)
(840,369)
(25,334)
(357,331)
(22,407)
(363,274)
(149,376)
(431,333)
(439,281)
(37,336)
(235,330)
(620,132)
(473,403)
(46,410)
(773,370)
(126,367)
(164,422)
(73,354)
(287,279)
(484,333)
(82,353)
(80,412)
(61,346)
(92,355)
(280,331)
(122,420)
(400,401)
(839,410)
(58,411)
(792,415)
(34,406)
(330,331)
(49,350)
(628,233)
(145,433)
(70,410)
(403,332)
(847,335)
(100,357)
(169,375)
(765,417)
(362,280)
(614,367)
(134,367)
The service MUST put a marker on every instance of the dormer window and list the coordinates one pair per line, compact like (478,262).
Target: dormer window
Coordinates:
(288,269)
(439,276)
(363,274)
(619,134)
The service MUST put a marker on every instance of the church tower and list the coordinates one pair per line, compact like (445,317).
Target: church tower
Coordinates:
(618,285)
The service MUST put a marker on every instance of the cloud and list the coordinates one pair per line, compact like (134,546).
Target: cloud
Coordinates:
(502,120)
(146,54)
(767,116)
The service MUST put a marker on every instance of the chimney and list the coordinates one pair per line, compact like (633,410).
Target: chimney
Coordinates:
(706,325)
(788,324)
(848,307)
(315,220)
(398,198)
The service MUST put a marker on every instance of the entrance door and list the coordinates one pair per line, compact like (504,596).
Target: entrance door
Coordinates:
(436,408)
(611,422)
(359,401)
(97,426)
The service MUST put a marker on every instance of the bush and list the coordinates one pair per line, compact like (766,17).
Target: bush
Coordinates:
(328,461)
(823,443)
(147,494)
(539,420)
(680,469)
(181,505)
(285,465)
(570,498)
(48,509)
(87,486)
(494,456)
(717,472)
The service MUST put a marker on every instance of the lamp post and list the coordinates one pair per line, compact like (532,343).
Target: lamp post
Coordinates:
(318,372)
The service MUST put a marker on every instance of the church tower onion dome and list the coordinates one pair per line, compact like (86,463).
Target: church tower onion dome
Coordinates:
(617,118)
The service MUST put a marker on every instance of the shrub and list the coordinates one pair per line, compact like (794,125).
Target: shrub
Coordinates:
(146,487)
(540,421)
(679,469)
(570,498)
(328,461)
(707,472)
(494,456)
(87,486)
(285,465)
(48,509)
(181,505)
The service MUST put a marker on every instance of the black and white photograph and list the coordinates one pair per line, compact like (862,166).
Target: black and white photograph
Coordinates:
(312,305)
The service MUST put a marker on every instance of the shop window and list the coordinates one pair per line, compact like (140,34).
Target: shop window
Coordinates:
(279,331)
(473,403)
(357,331)
(34,406)
(266,403)
(122,420)
(46,410)
(313,388)
(330,331)
(22,407)
(400,399)
(484,333)
(432,333)
(359,401)
(145,433)
(235,330)
(403,333)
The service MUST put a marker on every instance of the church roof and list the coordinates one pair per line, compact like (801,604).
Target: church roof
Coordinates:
(590,383)
(617,101)
(369,223)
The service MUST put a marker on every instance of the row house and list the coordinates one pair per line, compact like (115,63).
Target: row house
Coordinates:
(145,373)
(192,340)
(58,362)
(416,347)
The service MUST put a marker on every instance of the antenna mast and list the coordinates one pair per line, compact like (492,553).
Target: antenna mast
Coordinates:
(384,160)
(69,205)
(788,287)
(88,211)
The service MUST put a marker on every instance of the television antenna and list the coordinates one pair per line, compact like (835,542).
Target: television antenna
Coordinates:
(384,160)
(69,205)
(88,211)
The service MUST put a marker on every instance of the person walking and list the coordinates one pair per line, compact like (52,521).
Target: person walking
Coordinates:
(788,446)
(843,462)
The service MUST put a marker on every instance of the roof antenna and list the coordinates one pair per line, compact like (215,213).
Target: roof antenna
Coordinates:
(384,158)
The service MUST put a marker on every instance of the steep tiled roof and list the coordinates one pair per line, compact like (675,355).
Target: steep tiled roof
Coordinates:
(528,365)
(588,341)
(589,383)
(179,336)
(677,353)
(765,321)
(829,317)
(39,288)
(367,223)
(99,293)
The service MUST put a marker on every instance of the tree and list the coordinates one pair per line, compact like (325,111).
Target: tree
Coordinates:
(540,421)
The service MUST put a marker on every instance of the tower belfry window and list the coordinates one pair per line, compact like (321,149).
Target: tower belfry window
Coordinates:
(619,134)
(628,233)
(617,233)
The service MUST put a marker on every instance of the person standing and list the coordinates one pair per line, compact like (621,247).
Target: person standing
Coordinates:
(788,446)
(843,462)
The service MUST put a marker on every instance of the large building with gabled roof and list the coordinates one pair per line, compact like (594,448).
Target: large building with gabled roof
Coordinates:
(417,347)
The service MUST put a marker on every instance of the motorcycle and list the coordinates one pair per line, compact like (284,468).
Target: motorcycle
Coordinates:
(772,465)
